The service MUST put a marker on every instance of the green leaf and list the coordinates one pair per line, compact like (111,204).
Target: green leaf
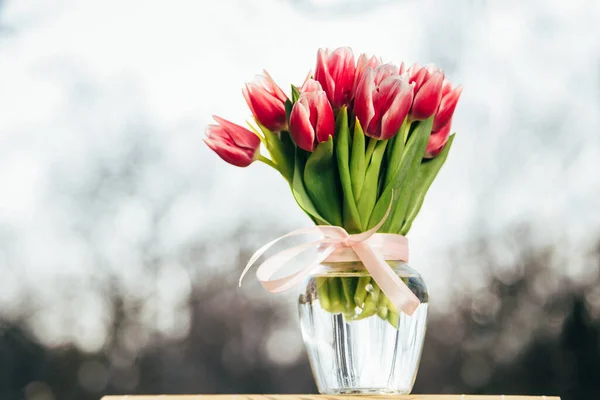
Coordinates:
(295,94)
(289,104)
(299,191)
(288,148)
(395,151)
(342,150)
(357,160)
(283,158)
(368,196)
(400,184)
(321,180)
(288,109)
(406,189)
(425,177)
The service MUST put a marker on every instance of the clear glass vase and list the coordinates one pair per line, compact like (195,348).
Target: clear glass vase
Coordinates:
(357,341)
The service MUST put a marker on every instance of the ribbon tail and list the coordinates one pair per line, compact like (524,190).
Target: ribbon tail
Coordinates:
(393,287)
(268,268)
(304,231)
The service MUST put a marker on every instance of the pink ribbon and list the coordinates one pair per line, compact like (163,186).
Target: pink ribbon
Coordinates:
(369,247)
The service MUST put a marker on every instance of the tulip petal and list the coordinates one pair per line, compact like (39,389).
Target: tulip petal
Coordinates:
(232,155)
(397,111)
(384,71)
(427,98)
(311,85)
(343,75)
(301,129)
(361,66)
(246,93)
(402,68)
(383,97)
(322,73)
(446,109)
(438,140)
(273,88)
(363,99)
(241,136)
(336,73)
(325,126)
(268,109)
(266,101)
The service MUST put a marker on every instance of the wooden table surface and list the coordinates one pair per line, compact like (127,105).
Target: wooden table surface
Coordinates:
(316,397)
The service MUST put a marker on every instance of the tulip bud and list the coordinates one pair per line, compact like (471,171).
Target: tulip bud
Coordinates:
(267,102)
(311,120)
(382,101)
(335,72)
(362,65)
(233,143)
(310,85)
(438,140)
(447,105)
(428,91)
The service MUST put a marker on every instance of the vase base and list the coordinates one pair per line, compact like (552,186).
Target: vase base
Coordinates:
(365,392)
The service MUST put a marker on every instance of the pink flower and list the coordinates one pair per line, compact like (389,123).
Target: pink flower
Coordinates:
(447,105)
(382,101)
(267,102)
(233,143)
(310,85)
(438,140)
(311,120)
(428,91)
(335,72)
(361,66)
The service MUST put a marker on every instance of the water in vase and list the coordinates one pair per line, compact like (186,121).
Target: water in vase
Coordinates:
(355,352)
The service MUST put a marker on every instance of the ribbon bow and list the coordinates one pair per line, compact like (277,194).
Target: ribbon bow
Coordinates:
(369,247)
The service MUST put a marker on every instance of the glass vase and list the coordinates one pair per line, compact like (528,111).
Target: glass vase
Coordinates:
(357,341)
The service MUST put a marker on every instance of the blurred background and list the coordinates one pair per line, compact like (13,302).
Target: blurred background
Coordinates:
(122,236)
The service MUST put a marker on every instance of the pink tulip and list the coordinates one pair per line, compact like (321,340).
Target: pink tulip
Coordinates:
(428,91)
(311,120)
(402,68)
(382,101)
(233,143)
(267,102)
(310,85)
(447,105)
(361,66)
(335,72)
(438,140)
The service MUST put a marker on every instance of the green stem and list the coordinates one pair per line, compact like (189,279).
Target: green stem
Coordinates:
(391,307)
(393,319)
(371,302)
(361,290)
(335,295)
(368,197)
(358,166)
(323,294)
(382,309)
(348,287)
(342,142)
(261,137)
(277,152)
(395,152)
(265,160)
(370,150)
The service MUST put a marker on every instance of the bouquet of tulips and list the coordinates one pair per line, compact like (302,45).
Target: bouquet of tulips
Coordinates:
(356,141)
